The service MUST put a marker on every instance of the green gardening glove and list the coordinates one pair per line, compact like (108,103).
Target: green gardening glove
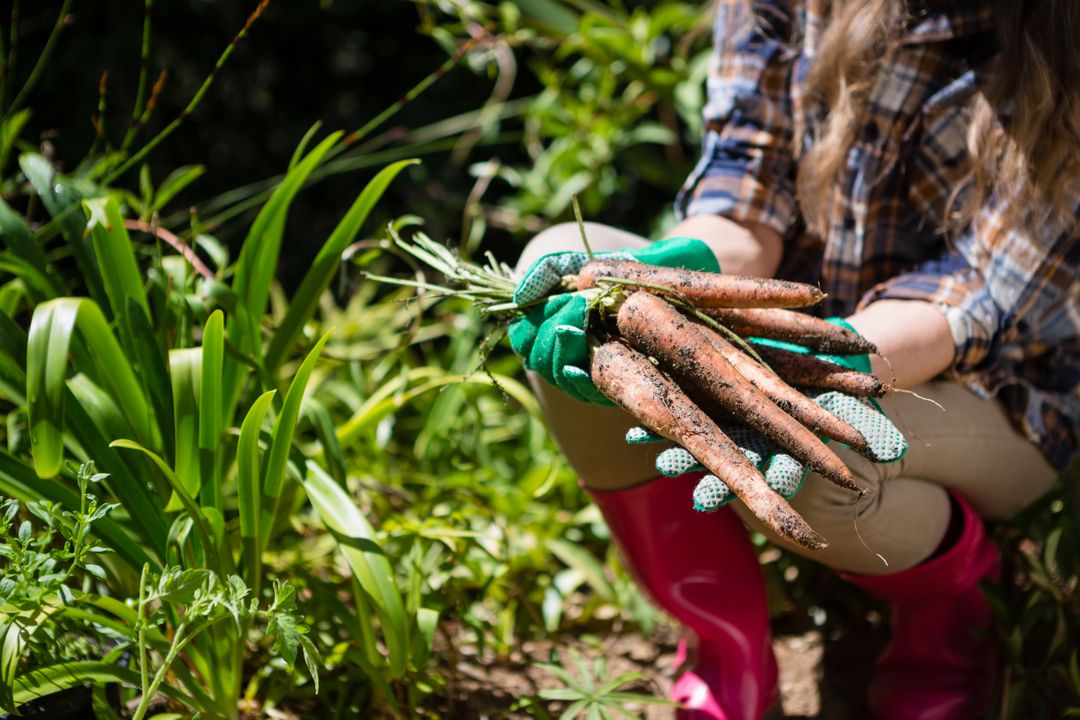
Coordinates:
(783,473)
(551,338)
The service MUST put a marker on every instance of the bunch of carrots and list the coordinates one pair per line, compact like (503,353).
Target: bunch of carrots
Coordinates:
(670,347)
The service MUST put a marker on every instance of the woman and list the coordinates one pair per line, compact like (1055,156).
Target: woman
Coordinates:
(920,161)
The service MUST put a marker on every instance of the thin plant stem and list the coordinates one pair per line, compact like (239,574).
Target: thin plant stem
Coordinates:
(174,242)
(100,130)
(144,681)
(144,72)
(159,676)
(581,226)
(43,58)
(193,103)
(13,46)
(414,92)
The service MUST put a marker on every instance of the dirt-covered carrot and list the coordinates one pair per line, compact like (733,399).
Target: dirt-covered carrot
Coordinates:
(806,371)
(799,406)
(631,381)
(704,289)
(806,330)
(655,327)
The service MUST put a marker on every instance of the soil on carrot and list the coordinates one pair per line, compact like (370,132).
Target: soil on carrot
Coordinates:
(824,672)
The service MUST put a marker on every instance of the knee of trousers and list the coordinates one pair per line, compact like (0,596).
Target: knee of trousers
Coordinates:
(567,236)
(899,520)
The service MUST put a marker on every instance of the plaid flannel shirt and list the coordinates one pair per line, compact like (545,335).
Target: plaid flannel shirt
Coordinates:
(1011,295)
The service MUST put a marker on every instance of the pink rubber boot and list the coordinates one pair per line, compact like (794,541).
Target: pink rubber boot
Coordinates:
(701,569)
(940,661)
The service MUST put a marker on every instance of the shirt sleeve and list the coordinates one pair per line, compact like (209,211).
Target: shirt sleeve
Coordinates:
(747,169)
(1009,290)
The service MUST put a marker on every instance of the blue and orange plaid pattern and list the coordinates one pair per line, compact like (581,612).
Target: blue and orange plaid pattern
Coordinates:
(1010,291)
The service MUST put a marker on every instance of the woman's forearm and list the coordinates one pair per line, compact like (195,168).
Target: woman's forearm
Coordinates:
(913,337)
(741,249)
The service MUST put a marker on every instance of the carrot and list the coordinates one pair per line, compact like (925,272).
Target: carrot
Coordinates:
(807,371)
(650,324)
(807,330)
(629,380)
(704,289)
(799,406)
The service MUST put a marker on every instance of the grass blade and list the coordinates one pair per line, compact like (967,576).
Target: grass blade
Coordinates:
(19,239)
(52,331)
(282,437)
(258,259)
(115,257)
(247,486)
(210,400)
(194,512)
(58,194)
(305,301)
(154,373)
(370,567)
(186,381)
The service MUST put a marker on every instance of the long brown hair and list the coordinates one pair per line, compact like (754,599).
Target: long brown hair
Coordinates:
(1024,136)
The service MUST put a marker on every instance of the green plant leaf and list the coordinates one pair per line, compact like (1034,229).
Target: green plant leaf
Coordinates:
(370,567)
(173,183)
(16,630)
(206,538)
(52,331)
(318,416)
(574,556)
(54,678)
(210,398)
(152,369)
(115,257)
(247,485)
(19,240)
(305,301)
(282,437)
(186,378)
(258,259)
(38,285)
(61,195)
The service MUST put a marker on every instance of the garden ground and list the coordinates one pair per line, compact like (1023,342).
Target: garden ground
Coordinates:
(821,676)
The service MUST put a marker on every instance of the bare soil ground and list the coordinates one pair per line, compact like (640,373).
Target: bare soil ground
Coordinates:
(823,674)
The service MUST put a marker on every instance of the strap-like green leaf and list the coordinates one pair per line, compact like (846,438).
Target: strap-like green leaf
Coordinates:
(54,678)
(52,331)
(369,565)
(115,255)
(18,238)
(210,399)
(282,437)
(321,272)
(186,377)
(60,195)
(247,485)
(153,371)
(202,529)
(257,265)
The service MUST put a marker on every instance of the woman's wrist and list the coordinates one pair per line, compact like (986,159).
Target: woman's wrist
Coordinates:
(912,336)
(740,248)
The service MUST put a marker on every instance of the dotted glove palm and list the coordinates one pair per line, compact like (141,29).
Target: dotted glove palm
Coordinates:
(551,338)
(783,473)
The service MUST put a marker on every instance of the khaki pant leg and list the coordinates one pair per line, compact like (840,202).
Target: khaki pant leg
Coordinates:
(970,447)
(593,438)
